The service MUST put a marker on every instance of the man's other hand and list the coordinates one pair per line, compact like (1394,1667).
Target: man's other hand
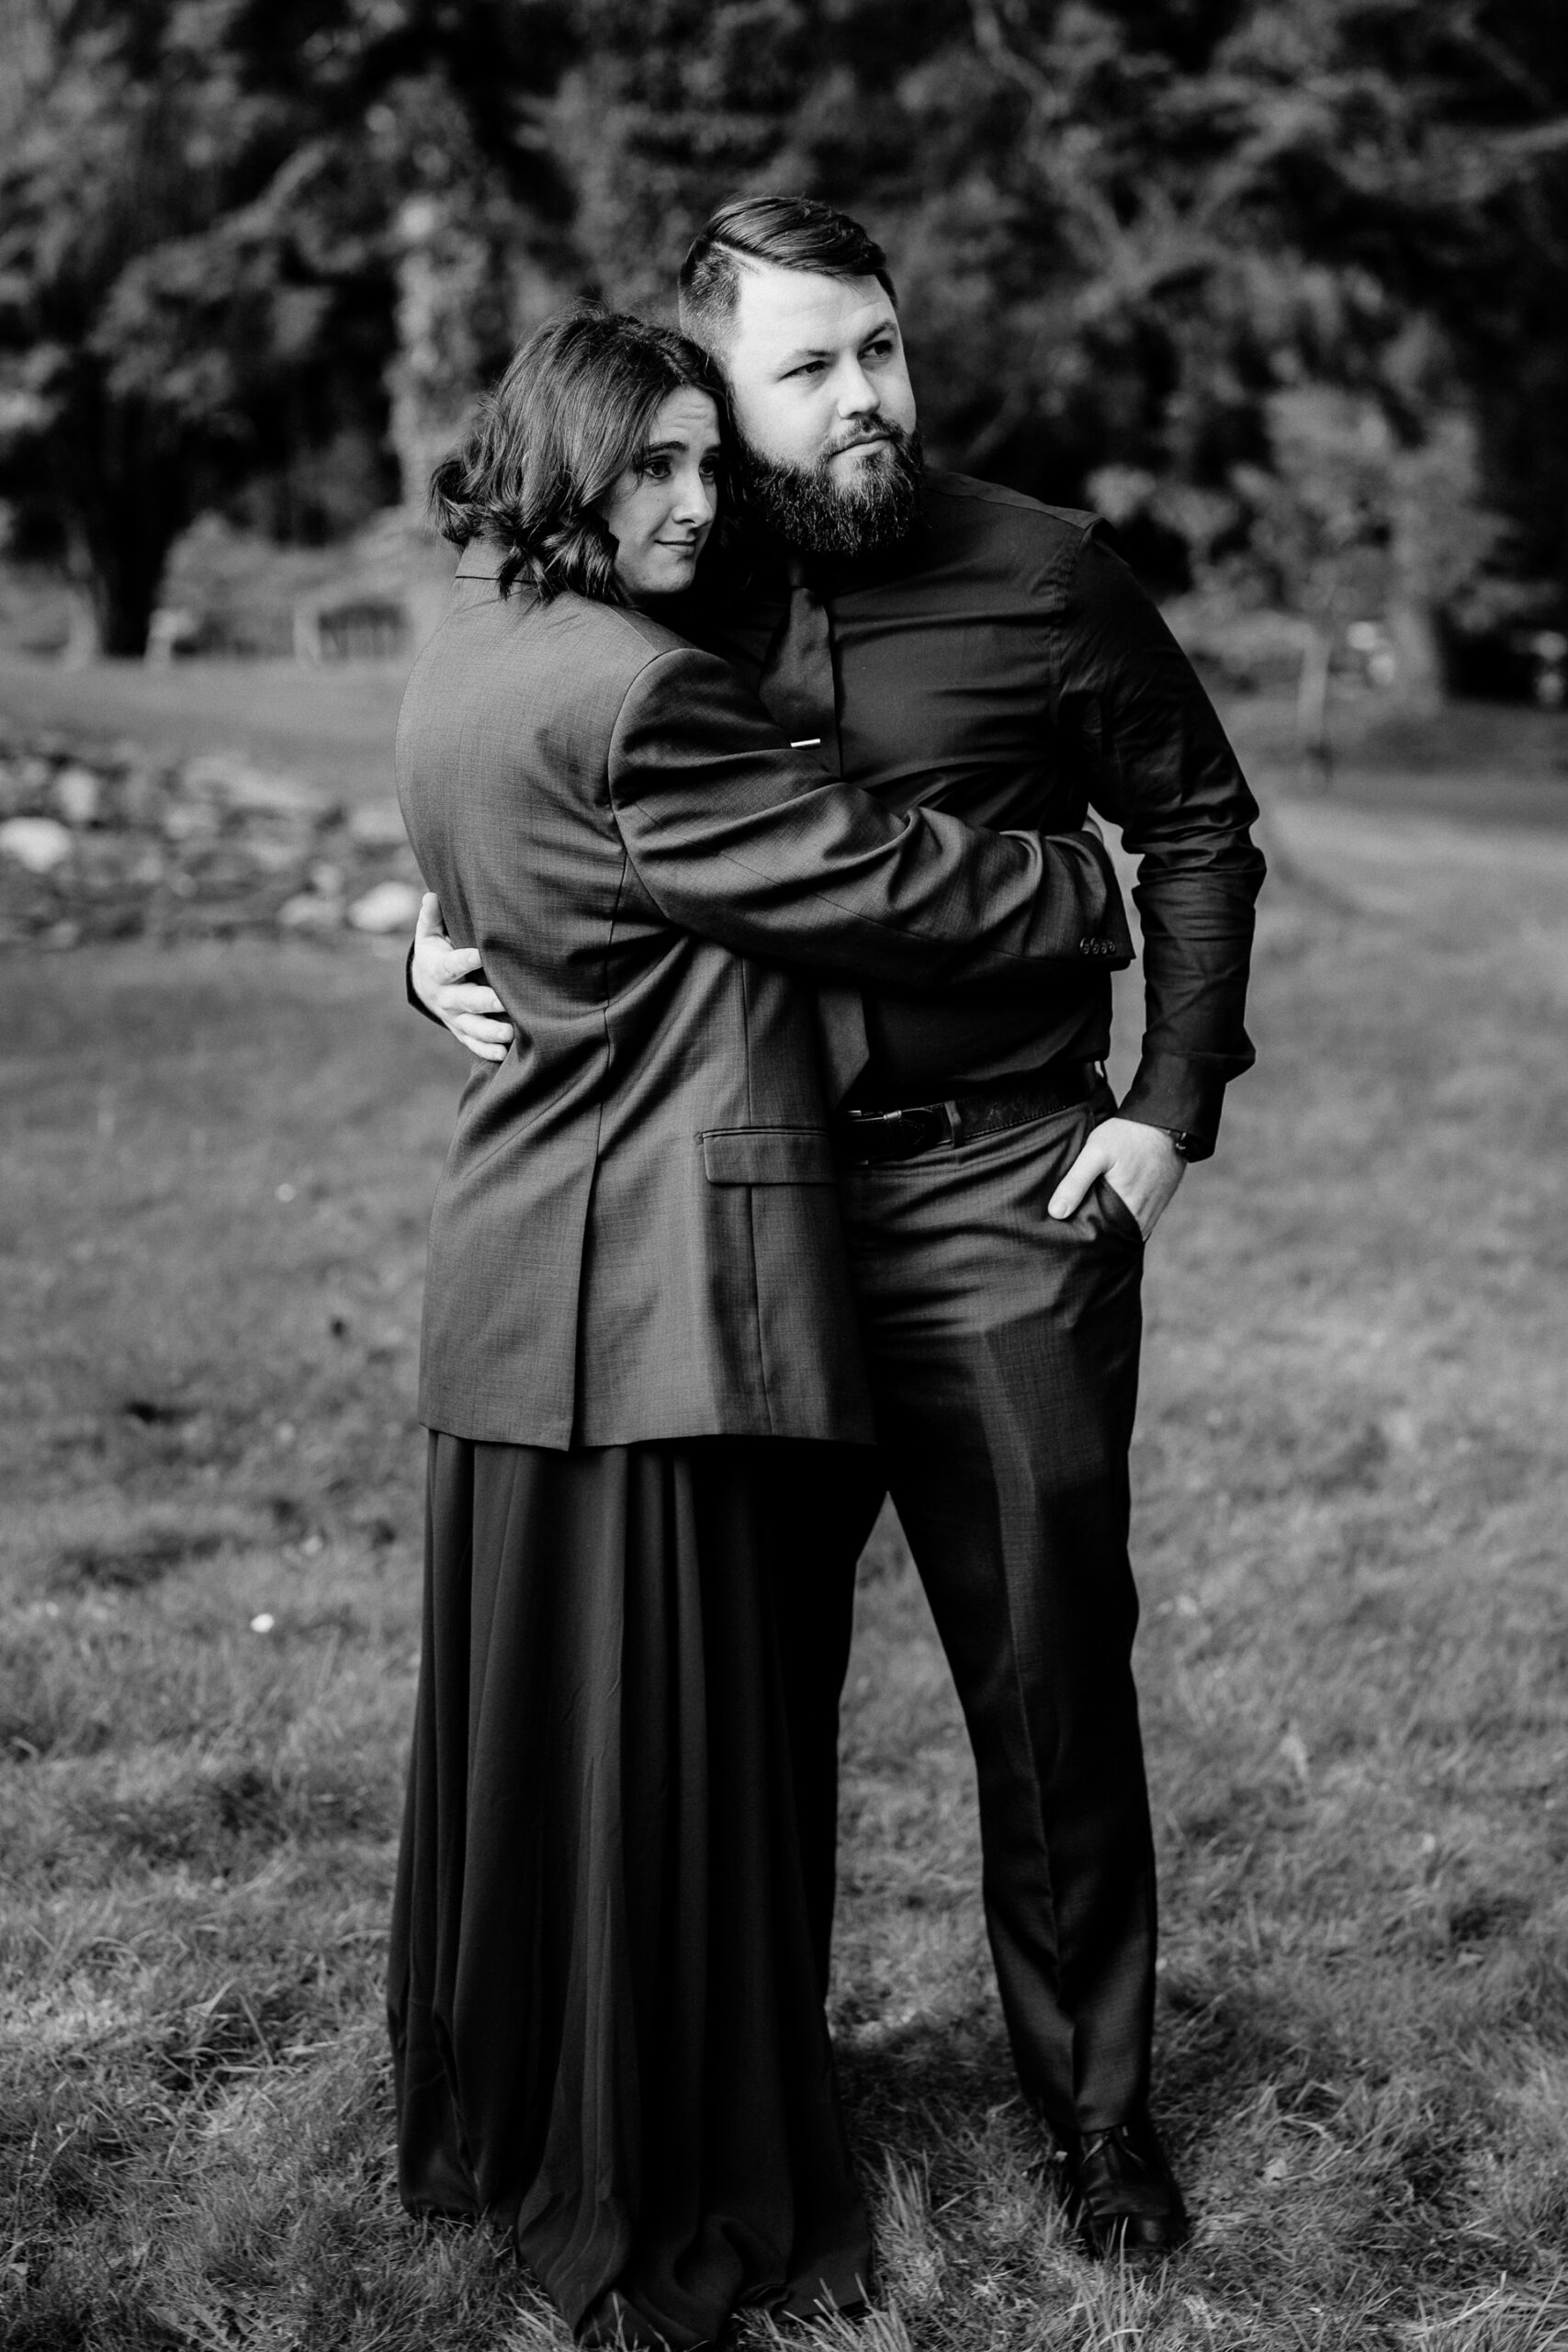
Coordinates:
(440,976)
(1140,1163)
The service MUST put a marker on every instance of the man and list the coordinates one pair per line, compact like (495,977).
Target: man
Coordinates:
(951,644)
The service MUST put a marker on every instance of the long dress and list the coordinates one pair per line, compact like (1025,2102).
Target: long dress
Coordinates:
(606,2018)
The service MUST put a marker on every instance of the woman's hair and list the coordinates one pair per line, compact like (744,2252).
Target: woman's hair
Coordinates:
(573,410)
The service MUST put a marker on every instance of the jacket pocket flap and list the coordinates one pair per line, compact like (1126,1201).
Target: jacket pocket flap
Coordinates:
(768,1156)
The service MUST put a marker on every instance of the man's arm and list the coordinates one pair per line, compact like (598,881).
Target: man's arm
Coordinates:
(447,984)
(1158,764)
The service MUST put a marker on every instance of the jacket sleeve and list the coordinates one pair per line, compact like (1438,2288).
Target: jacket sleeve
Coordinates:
(1157,763)
(735,836)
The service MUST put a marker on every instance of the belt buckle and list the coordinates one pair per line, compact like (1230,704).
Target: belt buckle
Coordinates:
(922,1112)
(865,1128)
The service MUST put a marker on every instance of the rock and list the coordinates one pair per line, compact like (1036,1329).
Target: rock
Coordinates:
(391,906)
(40,843)
(306,912)
(99,844)
(228,778)
(188,822)
(77,795)
(376,824)
(270,856)
(141,795)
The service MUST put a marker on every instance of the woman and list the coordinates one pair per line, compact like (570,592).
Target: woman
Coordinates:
(637,1359)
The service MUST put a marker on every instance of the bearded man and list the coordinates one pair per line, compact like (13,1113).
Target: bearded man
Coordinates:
(948,643)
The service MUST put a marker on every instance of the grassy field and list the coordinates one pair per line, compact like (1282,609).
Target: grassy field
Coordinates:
(1352,1490)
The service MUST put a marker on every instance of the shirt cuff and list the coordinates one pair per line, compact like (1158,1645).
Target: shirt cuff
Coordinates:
(417,1002)
(1183,1097)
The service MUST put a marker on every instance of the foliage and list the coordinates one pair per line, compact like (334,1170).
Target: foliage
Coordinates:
(197,265)
(1125,231)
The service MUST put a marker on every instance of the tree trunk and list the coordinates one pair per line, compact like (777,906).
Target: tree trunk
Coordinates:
(131,485)
(1314,752)
(127,574)
(1419,650)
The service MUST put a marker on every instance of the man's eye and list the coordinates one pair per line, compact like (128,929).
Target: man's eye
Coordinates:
(811,367)
(879,352)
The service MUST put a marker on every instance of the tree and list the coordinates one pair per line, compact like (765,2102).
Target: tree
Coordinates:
(249,244)
(1123,228)
(198,262)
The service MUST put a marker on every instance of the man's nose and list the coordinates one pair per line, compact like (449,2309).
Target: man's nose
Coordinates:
(858,396)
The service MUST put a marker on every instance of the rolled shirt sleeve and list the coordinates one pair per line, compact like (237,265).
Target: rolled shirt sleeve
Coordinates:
(1157,763)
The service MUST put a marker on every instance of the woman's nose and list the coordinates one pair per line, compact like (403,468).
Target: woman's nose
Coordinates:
(695,502)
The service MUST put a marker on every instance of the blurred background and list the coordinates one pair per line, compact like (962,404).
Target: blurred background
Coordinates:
(1277,285)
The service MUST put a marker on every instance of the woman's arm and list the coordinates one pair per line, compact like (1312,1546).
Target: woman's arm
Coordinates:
(737,835)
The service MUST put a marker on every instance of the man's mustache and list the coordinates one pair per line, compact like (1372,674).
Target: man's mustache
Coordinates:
(880,436)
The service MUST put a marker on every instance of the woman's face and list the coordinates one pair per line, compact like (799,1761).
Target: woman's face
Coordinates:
(661,509)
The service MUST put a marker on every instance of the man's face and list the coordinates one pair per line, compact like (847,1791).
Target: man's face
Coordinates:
(824,408)
(815,369)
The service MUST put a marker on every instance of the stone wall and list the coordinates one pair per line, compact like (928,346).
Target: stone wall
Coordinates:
(116,844)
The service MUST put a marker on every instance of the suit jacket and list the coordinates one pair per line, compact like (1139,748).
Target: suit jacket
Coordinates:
(636,1235)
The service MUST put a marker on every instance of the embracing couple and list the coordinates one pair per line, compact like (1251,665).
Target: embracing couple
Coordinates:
(754,763)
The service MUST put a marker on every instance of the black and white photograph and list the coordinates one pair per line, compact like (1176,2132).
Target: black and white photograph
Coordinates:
(783,1175)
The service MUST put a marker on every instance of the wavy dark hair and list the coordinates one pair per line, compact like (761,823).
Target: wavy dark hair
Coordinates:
(574,409)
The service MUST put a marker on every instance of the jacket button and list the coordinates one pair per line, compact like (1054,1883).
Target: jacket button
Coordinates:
(1087,946)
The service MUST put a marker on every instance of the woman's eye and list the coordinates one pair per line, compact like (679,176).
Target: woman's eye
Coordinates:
(656,470)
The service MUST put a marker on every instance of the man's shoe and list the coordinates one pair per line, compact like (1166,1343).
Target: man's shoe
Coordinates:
(1124,2200)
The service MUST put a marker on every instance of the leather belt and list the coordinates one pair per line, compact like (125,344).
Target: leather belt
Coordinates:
(864,1138)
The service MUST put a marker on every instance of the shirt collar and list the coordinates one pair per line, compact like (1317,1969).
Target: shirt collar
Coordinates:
(480,559)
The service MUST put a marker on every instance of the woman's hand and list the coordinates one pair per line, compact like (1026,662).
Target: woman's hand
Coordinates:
(440,977)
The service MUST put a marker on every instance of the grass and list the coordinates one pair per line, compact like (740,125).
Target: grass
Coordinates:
(1352,1487)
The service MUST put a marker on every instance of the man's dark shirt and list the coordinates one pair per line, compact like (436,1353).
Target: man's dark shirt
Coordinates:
(1004,664)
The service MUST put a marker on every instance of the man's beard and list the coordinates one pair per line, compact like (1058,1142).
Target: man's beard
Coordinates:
(807,509)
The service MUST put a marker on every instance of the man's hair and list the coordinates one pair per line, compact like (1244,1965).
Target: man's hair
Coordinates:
(783,231)
(574,409)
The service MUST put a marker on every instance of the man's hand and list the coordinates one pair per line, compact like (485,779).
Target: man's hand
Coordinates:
(441,983)
(1141,1164)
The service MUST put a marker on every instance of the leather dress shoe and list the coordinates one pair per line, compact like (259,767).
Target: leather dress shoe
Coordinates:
(1122,2195)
